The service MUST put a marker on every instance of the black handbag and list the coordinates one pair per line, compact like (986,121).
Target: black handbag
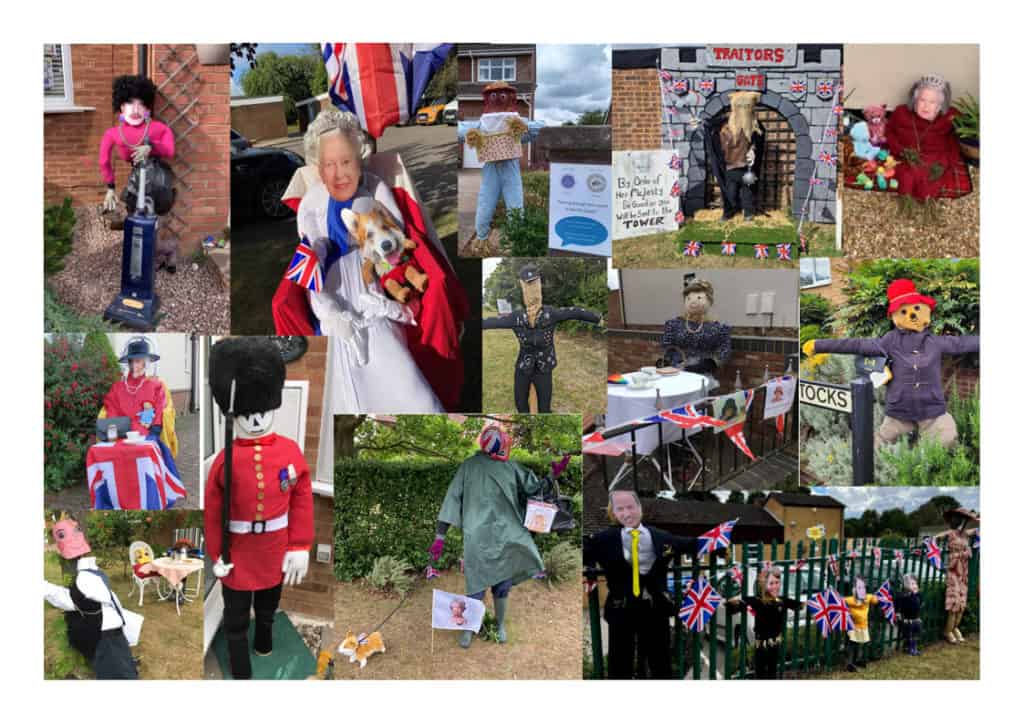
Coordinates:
(159,191)
(563,516)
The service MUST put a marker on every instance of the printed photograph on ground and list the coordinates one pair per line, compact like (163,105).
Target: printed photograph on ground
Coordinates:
(434,511)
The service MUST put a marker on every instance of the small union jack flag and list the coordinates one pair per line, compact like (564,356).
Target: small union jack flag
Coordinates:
(692,248)
(833,564)
(877,554)
(885,602)
(680,217)
(798,86)
(676,162)
(688,418)
(827,158)
(681,87)
(838,110)
(706,85)
(815,181)
(784,251)
(718,537)
(831,132)
(838,612)
(737,575)
(897,556)
(735,434)
(760,251)
(825,87)
(800,564)
(728,248)
(304,268)
(933,552)
(817,604)
(675,189)
(700,605)
(665,75)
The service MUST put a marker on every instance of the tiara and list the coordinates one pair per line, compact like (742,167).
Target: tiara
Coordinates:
(932,80)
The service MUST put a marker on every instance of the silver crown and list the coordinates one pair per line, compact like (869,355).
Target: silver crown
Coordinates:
(933,80)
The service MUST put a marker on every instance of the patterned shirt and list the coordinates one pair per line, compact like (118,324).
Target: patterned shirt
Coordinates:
(710,339)
(537,343)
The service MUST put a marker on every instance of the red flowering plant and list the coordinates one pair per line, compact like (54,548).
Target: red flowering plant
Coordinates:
(77,373)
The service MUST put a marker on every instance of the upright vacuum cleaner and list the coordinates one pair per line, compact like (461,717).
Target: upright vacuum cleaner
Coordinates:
(137,303)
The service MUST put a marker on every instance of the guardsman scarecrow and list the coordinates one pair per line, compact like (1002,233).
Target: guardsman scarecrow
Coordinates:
(92,611)
(259,499)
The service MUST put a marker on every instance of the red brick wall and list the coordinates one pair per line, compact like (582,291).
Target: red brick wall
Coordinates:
(967,380)
(71,141)
(636,110)
(211,142)
(312,366)
(315,597)
(614,320)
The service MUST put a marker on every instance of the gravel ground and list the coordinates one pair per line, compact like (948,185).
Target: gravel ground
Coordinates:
(874,227)
(192,300)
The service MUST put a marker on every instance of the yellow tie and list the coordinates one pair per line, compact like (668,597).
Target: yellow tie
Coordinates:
(635,551)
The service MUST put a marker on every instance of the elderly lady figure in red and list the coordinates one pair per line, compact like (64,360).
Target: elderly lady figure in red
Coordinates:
(920,136)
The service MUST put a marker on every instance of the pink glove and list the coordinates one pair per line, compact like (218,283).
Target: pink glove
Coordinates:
(559,467)
(436,548)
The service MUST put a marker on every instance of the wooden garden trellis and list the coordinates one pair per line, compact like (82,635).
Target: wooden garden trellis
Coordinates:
(803,650)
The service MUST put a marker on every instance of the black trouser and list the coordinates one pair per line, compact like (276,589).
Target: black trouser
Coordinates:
(639,645)
(910,629)
(855,653)
(113,659)
(766,662)
(541,382)
(737,194)
(236,625)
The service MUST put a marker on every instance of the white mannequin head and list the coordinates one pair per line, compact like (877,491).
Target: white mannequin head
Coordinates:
(255,425)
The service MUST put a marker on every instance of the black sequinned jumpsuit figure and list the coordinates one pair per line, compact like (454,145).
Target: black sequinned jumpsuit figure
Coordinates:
(537,349)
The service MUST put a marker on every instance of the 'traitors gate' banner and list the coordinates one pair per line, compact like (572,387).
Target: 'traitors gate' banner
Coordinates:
(642,197)
(580,213)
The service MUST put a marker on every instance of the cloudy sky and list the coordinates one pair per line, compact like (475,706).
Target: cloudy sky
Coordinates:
(857,500)
(572,79)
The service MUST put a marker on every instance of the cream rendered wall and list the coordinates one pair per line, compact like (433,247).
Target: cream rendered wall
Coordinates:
(884,73)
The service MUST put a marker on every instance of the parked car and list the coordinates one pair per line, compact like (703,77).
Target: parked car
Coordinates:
(430,113)
(451,113)
(259,177)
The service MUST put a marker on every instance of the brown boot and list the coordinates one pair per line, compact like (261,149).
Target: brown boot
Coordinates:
(948,631)
(956,627)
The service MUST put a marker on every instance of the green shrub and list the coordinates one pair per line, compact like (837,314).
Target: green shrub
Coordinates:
(815,309)
(927,463)
(524,232)
(563,563)
(536,189)
(966,411)
(59,318)
(391,574)
(809,331)
(58,227)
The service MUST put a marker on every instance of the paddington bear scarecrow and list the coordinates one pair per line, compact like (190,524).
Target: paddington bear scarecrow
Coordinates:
(259,499)
(915,398)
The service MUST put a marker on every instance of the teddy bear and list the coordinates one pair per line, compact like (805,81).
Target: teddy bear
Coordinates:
(874,116)
(915,399)
(386,251)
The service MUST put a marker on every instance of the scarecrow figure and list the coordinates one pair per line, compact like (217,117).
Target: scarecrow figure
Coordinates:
(693,342)
(958,554)
(769,619)
(487,500)
(735,148)
(915,398)
(860,603)
(908,614)
(92,611)
(139,139)
(259,499)
(534,327)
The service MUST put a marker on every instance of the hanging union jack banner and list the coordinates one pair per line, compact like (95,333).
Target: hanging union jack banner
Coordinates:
(680,217)
(760,251)
(728,248)
(304,268)
(784,251)
(817,604)
(885,602)
(718,537)
(381,83)
(675,189)
(692,248)
(688,418)
(699,605)
(665,76)
(933,552)
(838,612)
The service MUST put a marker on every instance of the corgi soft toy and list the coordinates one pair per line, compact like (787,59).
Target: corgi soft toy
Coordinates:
(360,648)
(386,251)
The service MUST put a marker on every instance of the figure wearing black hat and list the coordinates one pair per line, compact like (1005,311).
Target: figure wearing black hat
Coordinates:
(958,556)
(259,499)
(534,327)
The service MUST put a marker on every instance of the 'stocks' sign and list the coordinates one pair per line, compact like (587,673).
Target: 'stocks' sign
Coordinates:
(829,396)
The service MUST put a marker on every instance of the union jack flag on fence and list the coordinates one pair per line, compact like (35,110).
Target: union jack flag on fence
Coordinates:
(699,605)
(688,418)
(838,612)
(833,564)
(760,251)
(304,268)
(381,83)
(885,602)
(933,552)
(718,537)
(817,604)
(897,556)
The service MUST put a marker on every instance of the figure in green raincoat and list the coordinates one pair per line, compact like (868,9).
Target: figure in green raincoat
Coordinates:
(487,500)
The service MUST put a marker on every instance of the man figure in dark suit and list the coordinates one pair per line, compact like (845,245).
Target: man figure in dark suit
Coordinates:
(635,560)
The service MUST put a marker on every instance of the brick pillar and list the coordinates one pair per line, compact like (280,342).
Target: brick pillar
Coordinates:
(636,109)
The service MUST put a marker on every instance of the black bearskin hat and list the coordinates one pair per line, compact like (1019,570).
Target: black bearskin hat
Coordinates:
(127,87)
(256,366)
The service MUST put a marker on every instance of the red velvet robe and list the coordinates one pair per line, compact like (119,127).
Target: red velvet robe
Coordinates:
(935,143)
(119,402)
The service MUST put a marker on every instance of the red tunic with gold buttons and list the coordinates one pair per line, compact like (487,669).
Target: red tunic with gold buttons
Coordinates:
(260,493)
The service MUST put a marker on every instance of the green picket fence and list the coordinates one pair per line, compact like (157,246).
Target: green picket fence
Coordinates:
(725,648)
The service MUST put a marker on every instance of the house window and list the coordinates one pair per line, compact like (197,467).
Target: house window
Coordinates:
(815,272)
(58,90)
(492,69)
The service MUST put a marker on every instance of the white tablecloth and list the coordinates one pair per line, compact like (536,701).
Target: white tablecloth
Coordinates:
(625,405)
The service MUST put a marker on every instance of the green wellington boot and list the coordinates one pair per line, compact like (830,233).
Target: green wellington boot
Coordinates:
(500,609)
(465,639)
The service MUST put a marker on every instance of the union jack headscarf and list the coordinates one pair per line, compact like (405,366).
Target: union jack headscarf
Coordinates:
(495,442)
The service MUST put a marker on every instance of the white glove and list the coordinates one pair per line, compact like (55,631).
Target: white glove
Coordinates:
(294,567)
(110,201)
(141,153)
(349,329)
(221,569)
(374,305)
(750,156)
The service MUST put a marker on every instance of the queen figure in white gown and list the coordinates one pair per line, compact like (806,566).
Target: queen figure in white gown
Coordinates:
(371,367)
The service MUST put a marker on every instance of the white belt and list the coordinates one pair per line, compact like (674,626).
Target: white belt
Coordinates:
(258,526)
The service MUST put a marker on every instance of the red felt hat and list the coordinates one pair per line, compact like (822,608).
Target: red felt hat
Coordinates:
(904,291)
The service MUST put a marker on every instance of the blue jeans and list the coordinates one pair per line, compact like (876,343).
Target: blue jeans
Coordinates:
(498,590)
(498,179)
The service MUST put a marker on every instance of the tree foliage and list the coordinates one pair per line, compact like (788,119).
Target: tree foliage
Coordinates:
(567,282)
(445,82)
(296,77)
